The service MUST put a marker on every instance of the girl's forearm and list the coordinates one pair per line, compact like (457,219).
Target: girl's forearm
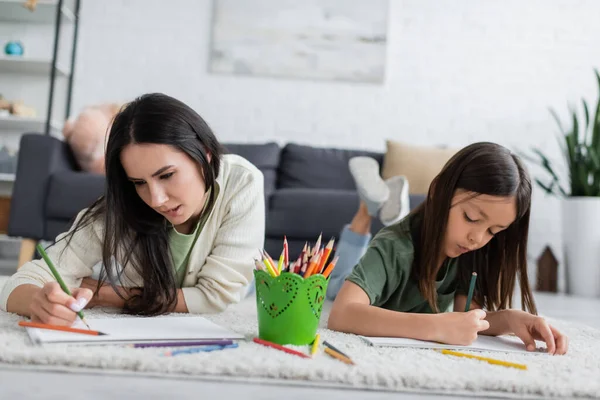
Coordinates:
(498,323)
(367,320)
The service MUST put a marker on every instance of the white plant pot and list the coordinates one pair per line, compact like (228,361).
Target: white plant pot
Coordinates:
(581,241)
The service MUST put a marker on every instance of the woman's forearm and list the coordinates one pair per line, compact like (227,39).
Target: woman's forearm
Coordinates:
(109,298)
(367,320)
(19,300)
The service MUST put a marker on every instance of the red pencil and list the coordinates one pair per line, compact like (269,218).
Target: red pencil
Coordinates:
(286,256)
(279,347)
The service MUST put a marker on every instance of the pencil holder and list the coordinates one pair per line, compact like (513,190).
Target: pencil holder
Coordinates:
(289,306)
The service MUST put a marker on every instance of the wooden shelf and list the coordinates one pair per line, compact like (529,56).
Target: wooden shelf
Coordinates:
(45,12)
(25,65)
(25,125)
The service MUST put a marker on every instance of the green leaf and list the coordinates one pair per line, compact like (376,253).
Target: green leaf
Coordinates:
(596,119)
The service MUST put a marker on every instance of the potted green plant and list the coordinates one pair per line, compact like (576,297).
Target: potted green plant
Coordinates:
(580,208)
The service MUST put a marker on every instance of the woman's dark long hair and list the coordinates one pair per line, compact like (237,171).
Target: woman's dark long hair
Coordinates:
(481,168)
(134,233)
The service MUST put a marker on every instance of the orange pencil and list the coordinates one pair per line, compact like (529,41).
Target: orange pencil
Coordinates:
(313,265)
(330,267)
(325,257)
(59,328)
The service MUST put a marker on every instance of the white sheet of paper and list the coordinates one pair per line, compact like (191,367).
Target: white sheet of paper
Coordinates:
(508,344)
(137,330)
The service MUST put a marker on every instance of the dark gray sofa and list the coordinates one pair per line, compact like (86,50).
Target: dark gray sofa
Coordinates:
(308,190)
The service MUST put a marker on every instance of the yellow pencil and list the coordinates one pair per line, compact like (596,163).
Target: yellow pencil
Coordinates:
(315,346)
(270,268)
(489,360)
(280,262)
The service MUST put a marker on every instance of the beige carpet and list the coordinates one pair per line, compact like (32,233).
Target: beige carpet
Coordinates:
(574,375)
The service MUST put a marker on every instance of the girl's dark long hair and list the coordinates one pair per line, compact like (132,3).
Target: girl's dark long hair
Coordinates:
(134,233)
(481,168)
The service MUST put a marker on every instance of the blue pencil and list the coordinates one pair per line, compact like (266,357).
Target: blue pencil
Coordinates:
(192,350)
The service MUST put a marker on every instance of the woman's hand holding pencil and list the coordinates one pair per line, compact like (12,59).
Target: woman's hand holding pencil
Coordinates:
(54,303)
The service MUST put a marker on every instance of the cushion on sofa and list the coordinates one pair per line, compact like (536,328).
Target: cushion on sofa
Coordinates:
(420,164)
(318,168)
(70,192)
(304,213)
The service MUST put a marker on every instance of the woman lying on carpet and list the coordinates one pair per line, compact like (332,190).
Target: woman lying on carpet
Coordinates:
(183,220)
(475,219)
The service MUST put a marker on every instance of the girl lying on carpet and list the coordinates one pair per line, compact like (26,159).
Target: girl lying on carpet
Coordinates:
(475,219)
(183,221)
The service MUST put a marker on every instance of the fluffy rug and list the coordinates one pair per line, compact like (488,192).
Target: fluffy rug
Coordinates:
(576,375)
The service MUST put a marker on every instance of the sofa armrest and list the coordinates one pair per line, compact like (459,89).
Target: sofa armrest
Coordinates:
(40,156)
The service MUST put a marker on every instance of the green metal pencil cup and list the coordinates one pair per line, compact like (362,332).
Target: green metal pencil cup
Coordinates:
(289,306)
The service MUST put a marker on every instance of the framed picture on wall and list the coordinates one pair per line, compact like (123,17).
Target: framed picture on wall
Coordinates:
(341,40)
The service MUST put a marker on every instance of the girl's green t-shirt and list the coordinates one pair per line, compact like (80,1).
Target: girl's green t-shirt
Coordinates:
(384,272)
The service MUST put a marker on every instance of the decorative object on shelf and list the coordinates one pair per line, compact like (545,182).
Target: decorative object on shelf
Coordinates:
(580,144)
(30,5)
(335,40)
(4,106)
(86,135)
(547,272)
(14,48)
(18,108)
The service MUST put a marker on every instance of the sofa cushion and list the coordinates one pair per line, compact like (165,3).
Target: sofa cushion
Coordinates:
(420,164)
(264,156)
(70,192)
(305,213)
(318,168)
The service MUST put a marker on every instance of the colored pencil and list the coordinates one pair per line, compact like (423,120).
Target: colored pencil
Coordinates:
(486,359)
(199,349)
(286,251)
(270,268)
(317,245)
(325,257)
(280,262)
(471,290)
(312,266)
(268,257)
(332,347)
(279,347)
(39,325)
(259,266)
(339,356)
(59,279)
(180,344)
(330,267)
(315,345)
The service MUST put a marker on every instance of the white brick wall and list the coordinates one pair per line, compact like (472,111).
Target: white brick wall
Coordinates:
(457,71)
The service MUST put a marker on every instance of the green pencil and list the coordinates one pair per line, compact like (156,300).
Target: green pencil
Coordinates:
(471,290)
(62,284)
